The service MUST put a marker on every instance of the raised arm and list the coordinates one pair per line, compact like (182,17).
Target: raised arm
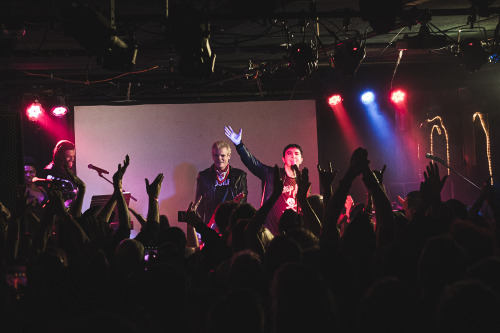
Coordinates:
(151,225)
(385,229)
(193,219)
(123,214)
(326,178)
(153,191)
(330,233)
(252,230)
(251,162)
(106,211)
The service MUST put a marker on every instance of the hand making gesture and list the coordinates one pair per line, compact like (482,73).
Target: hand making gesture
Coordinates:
(235,137)
(153,189)
(118,176)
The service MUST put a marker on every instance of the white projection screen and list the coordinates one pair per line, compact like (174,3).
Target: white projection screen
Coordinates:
(176,140)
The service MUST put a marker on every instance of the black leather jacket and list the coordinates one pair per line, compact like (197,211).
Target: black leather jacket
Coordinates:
(266,174)
(205,187)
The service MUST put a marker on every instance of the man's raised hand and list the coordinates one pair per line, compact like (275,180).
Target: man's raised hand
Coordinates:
(154,188)
(235,137)
(118,176)
(327,175)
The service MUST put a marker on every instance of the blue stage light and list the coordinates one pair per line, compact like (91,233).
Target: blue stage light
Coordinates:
(367,97)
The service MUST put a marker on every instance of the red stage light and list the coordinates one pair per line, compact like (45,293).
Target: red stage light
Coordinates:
(398,96)
(59,111)
(334,100)
(34,111)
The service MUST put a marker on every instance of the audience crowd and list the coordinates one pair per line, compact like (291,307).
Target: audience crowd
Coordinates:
(431,267)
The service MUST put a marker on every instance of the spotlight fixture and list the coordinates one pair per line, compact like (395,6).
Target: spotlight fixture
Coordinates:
(472,54)
(34,111)
(302,59)
(348,56)
(59,109)
(367,97)
(191,38)
(398,96)
(334,100)
(114,50)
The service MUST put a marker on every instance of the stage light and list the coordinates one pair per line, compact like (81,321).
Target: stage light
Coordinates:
(34,111)
(348,56)
(398,96)
(472,54)
(98,35)
(59,108)
(368,97)
(334,100)
(190,33)
(59,111)
(303,59)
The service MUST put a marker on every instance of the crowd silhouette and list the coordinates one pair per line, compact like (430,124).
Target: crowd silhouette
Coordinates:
(432,267)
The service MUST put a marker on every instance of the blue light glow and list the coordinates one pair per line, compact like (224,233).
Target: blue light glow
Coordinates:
(367,97)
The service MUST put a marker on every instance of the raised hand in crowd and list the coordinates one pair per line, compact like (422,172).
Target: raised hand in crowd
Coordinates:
(430,190)
(192,215)
(118,175)
(150,226)
(153,191)
(232,135)
(124,226)
(379,175)
(76,207)
(326,178)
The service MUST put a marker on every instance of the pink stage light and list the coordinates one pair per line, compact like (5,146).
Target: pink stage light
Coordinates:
(34,111)
(334,100)
(398,96)
(59,111)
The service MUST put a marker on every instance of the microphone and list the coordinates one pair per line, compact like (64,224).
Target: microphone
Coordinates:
(99,170)
(435,158)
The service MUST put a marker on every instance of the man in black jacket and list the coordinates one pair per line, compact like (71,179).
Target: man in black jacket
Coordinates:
(292,156)
(221,182)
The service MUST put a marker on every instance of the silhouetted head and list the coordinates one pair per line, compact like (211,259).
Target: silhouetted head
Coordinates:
(290,219)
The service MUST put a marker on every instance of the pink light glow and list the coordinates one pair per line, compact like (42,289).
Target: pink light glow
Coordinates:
(334,100)
(398,96)
(34,111)
(59,111)
(347,127)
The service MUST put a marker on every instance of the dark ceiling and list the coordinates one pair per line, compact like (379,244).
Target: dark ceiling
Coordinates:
(254,43)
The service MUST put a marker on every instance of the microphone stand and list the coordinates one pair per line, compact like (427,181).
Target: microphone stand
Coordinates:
(461,176)
(106,179)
